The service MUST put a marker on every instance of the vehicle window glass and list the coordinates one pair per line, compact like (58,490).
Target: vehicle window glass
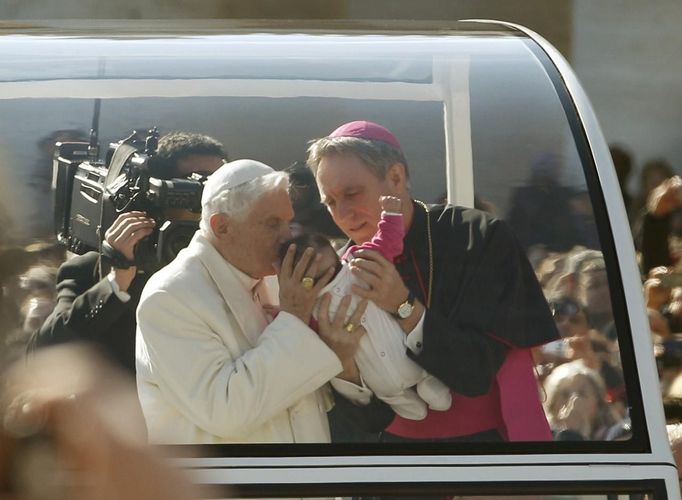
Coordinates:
(266,98)
(529,171)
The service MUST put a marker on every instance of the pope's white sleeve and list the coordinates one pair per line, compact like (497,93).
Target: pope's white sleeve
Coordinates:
(358,394)
(226,395)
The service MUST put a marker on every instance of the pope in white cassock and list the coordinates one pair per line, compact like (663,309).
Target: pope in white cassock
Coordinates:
(212,365)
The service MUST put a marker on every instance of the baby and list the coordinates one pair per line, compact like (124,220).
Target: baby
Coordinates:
(381,357)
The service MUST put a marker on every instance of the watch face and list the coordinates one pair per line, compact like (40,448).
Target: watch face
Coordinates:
(405,310)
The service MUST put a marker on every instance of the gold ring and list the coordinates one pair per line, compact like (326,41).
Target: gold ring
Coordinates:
(350,327)
(307,282)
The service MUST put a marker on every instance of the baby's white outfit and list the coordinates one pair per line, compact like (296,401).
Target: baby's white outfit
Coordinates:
(382,357)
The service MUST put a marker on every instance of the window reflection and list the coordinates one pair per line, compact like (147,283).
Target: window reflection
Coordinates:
(526,170)
(582,373)
(526,164)
(547,214)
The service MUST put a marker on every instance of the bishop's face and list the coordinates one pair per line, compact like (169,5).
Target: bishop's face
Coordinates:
(351,192)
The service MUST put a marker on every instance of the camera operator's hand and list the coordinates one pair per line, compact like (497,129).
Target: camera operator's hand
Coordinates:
(127,230)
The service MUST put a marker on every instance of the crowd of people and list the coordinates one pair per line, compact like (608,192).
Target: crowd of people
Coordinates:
(430,325)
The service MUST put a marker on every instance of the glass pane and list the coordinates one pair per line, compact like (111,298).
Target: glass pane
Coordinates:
(266,97)
(528,171)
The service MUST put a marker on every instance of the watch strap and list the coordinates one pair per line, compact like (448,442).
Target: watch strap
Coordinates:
(115,258)
(410,297)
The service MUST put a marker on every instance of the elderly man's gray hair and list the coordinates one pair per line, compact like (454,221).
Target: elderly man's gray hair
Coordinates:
(379,156)
(238,202)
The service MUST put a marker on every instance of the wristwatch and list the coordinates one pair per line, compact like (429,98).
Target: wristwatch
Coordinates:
(405,309)
(114,257)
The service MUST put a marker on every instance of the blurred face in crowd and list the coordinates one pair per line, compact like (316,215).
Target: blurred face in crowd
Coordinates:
(251,243)
(575,395)
(571,323)
(593,290)
(351,192)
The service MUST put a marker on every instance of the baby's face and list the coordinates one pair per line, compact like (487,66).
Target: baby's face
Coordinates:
(328,259)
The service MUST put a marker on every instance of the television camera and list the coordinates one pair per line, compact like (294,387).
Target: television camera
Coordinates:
(90,193)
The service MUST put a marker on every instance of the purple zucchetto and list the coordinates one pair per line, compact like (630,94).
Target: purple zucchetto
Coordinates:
(366,130)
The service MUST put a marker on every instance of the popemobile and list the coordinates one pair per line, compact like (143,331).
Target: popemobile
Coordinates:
(488,114)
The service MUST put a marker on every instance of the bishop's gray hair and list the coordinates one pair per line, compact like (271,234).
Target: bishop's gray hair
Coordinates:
(379,156)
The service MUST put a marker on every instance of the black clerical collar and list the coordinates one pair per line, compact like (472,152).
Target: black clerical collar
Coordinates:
(417,230)
(418,219)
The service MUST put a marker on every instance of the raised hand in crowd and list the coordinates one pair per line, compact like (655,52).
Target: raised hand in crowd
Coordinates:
(73,429)
(656,293)
(666,197)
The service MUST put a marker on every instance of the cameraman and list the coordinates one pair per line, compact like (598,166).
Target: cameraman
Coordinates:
(96,301)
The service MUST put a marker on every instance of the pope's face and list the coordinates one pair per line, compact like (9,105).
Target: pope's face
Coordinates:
(253,243)
(351,193)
